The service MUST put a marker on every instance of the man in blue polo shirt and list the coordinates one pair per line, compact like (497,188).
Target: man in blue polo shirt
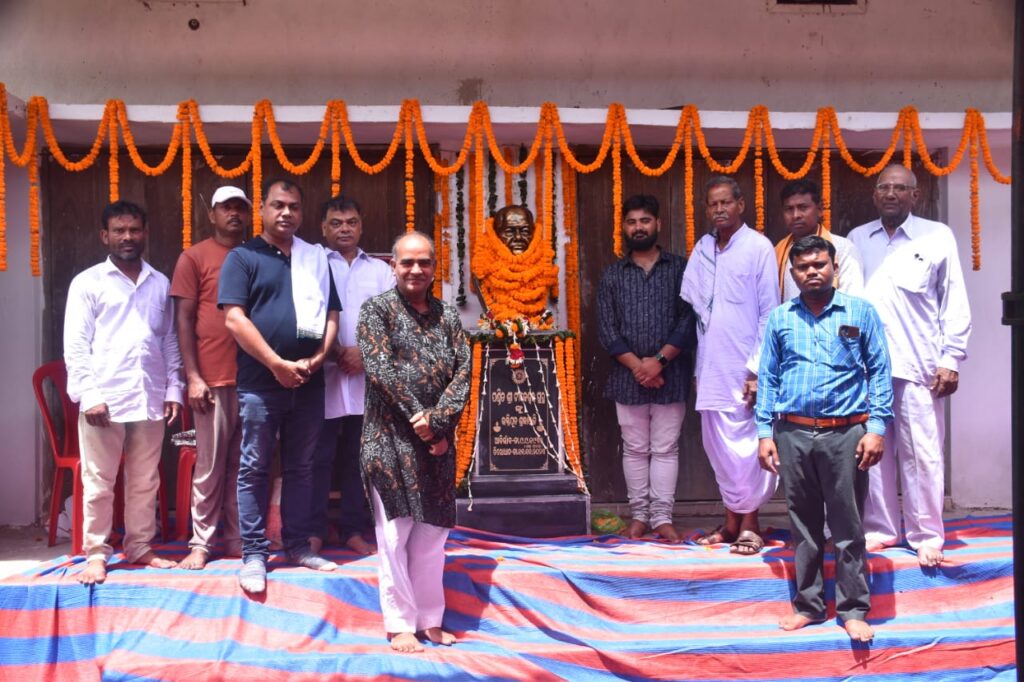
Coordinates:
(281,306)
(825,388)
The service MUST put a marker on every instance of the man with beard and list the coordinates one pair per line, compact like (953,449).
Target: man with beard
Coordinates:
(649,332)
(733,285)
(823,401)
(208,351)
(281,306)
(124,372)
(801,213)
(913,275)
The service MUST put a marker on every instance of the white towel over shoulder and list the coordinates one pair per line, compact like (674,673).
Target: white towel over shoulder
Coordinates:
(310,289)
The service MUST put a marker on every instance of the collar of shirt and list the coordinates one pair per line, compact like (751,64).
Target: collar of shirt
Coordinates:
(906,228)
(627,260)
(111,269)
(336,255)
(737,236)
(433,314)
(836,302)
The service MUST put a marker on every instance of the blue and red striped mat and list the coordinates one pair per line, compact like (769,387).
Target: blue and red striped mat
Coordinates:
(576,608)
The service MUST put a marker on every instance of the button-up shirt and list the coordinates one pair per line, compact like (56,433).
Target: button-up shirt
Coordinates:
(831,365)
(640,312)
(915,282)
(119,343)
(356,282)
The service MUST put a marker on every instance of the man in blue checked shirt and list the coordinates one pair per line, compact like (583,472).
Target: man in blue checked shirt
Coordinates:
(825,389)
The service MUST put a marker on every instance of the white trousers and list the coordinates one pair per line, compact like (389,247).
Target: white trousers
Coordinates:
(650,458)
(730,439)
(913,447)
(101,448)
(410,571)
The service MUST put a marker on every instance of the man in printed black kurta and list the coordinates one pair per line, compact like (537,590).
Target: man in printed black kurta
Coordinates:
(417,366)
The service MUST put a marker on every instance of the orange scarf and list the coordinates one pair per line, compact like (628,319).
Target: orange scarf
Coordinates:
(782,256)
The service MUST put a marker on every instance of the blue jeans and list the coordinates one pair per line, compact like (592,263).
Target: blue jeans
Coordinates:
(341,454)
(297,414)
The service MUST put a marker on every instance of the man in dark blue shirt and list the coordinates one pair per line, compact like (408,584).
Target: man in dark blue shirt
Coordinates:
(824,387)
(649,331)
(281,306)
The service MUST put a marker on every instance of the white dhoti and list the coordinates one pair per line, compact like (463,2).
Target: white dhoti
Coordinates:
(730,439)
(913,446)
(410,571)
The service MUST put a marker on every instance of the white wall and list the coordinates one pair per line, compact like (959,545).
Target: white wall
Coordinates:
(21,307)
(979,427)
(939,55)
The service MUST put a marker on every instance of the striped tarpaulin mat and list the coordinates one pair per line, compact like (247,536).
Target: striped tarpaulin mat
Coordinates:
(577,608)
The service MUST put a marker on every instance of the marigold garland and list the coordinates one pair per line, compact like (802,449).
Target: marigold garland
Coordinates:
(335,124)
(572,276)
(616,197)
(565,371)
(507,177)
(975,212)
(33,213)
(410,188)
(460,232)
(186,186)
(465,433)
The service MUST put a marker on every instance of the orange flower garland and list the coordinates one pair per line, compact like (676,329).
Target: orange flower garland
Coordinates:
(549,129)
(410,189)
(566,373)
(256,154)
(975,212)
(572,275)
(507,155)
(186,186)
(465,433)
(514,285)
(617,196)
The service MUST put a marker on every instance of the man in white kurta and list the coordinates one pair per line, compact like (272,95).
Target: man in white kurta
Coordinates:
(801,213)
(357,277)
(732,283)
(913,278)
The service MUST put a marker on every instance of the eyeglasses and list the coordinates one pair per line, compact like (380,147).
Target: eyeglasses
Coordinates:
(890,187)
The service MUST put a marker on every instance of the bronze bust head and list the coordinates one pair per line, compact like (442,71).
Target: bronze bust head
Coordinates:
(514,226)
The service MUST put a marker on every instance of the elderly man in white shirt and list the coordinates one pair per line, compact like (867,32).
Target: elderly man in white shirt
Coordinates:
(732,284)
(124,370)
(357,277)
(913,278)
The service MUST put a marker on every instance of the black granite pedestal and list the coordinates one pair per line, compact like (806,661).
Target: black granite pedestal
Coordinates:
(520,483)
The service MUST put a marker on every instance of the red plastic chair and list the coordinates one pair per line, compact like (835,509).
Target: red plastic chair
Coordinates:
(66,457)
(65,452)
(186,467)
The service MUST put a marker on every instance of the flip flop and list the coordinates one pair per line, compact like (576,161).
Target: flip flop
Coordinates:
(715,537)
(747,539)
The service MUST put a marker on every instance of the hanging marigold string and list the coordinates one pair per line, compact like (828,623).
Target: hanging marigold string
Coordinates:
(616,196)
(460,233)
(826,185)
(572,275)
(565,371)
(506,154)
(465,434)
(440,233)
(186,185)
(410,187)
(256,154)
(33,213)
(975,210)
(335,124)
(758,178)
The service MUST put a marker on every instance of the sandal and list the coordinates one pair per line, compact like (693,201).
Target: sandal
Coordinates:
(747,543)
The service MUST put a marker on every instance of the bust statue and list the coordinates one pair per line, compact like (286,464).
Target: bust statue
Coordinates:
(513,267)
(514,226)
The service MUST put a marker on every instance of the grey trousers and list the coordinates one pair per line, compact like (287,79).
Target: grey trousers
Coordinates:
(820,479)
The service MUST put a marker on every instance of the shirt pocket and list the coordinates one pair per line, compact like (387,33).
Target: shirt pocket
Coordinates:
(157,317)
(912,273)
(845,353)
(738,288)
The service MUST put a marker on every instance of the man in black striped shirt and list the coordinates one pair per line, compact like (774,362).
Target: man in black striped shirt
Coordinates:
(649,331)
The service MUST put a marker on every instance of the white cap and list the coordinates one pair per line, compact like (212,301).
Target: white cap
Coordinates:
(228,192)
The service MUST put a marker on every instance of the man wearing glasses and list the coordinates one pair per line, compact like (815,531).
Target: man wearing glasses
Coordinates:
(913,277)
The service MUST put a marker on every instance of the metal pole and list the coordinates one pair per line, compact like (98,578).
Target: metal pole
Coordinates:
(1013,315)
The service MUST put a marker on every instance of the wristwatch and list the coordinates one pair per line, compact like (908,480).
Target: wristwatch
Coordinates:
(662,360)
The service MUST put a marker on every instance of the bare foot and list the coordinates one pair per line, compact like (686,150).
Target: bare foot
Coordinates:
(717,536)
(405,642)
(95,572)
(668,533)
(874,547)
(153,560)
(439,636)
(360,546)
(859,631)
(315,544)
(636,530)
(929,557)
(795,621)
(196,560)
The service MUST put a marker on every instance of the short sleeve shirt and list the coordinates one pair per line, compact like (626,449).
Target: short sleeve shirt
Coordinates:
(257,276)
(195,279)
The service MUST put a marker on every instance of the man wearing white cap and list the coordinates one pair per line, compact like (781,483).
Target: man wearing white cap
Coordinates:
(208,352)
